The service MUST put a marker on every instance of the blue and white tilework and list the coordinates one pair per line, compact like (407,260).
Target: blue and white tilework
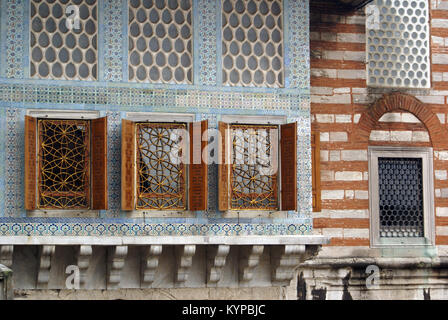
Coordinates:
(113,96)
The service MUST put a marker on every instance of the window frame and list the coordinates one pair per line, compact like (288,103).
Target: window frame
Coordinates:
(167,118)
(259,120)
(315,175)
(63,115)
(424,153)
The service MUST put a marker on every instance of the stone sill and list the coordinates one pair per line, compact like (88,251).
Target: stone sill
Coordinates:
(165,240)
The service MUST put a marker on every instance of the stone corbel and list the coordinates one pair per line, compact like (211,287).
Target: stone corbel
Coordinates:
(216,260)
(184,259)
(84,258)
(150,262)
(249,260)
(116,259)
(43,275)
(6,255)
(284,260)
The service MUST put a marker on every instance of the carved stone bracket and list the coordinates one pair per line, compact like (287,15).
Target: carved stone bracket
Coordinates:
(249,260)
(216,260)
(6,255)
(116,259)
(43,275)
(184,259)
(284,259)
(84,257)
(150,262)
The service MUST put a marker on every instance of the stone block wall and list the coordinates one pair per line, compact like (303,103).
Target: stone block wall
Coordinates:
(351,116)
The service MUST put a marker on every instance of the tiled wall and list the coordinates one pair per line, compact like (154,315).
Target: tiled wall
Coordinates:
(113,96)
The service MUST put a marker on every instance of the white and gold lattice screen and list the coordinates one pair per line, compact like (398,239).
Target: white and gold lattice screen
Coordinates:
(160,41)
(63,39)
(252,43)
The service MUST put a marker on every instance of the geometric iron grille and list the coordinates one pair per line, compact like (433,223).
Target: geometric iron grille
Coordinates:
(401,197)
(63,39)
(161,173)
(64,164)
(252,43)
(254,174)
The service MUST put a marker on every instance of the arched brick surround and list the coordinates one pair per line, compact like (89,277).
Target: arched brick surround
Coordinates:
(400,101)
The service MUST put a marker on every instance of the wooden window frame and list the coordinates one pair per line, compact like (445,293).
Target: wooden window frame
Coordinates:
(316,179)
(98,183)
(223,168)
(129,167)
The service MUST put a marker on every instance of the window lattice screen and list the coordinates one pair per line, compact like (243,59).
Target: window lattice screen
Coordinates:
(161,181)
(398,44)
(64,164)
(63,39)
(160,41)
(252,43)
(401,197)
(254,185)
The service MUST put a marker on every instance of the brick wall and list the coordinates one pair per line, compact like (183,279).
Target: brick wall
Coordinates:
(350,117)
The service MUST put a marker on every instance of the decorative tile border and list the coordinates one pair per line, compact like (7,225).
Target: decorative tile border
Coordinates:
(297,61)
(113,163)
(14,45)
(162,98)
(145,229)
(14,163)
(112,65)
(206,62)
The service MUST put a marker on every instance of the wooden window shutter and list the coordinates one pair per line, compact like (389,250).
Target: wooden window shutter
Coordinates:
(224,167)
(198,186)
(315,161)
(127,165)
(99,163)
(288,149)
(30,162)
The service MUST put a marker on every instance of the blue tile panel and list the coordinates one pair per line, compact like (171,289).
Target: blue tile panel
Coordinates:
(113,96)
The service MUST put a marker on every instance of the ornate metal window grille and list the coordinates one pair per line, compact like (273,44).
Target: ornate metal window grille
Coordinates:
(63,39)
(161,175)
(252,43)
(64,164)
(160,41)
(253,154)
(401,197)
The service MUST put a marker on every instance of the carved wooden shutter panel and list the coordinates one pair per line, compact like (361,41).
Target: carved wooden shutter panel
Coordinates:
(198,186)
(288,147)
(315,161)
(99,163)
(127,165)
(224,167)
(30,162)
